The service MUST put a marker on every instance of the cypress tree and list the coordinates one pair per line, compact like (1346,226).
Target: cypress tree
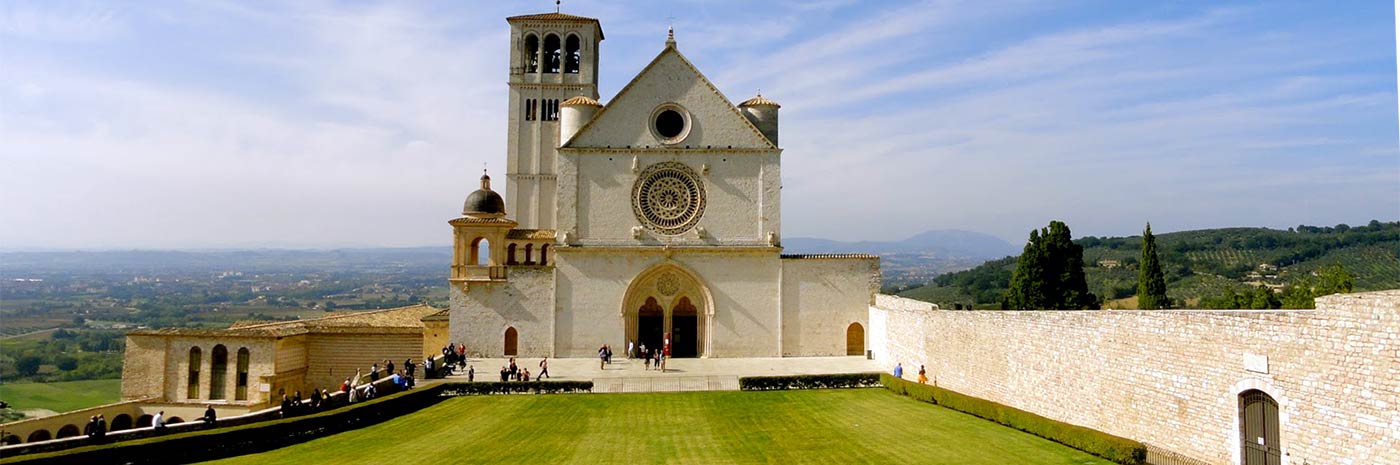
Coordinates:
(1050,273)
(1152,287)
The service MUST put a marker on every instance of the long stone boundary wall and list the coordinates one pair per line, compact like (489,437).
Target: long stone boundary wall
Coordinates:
(1173,378)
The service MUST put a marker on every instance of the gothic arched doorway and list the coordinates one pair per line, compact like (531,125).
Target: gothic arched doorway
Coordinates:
(668,299)
(855,339)
(512,342)
(1259,443)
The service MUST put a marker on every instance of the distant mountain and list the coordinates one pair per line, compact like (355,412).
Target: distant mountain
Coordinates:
(951,243)
(916,260)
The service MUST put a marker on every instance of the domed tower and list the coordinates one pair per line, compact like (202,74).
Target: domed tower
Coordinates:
(763,113)
(483,219)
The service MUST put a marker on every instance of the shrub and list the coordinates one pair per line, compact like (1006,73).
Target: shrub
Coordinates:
(1117,449)
(533,387)
(835,381)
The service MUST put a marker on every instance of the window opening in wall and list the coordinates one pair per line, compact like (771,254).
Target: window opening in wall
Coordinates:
(241,391)
(669,124)
(531,109)
(510,255)
(192,385)
(1259,434)
(480,252)
(218,372)
(67,431)
(544,254)
(39,435)
(572,57)
(552,54)
(529,254)
(532,53)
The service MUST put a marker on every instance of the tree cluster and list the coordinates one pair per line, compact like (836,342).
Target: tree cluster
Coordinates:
(1050,273)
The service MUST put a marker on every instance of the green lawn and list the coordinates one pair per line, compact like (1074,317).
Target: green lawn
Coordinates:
(818,426)
(62,396)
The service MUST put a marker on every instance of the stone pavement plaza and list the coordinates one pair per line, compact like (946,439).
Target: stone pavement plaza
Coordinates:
(682,374)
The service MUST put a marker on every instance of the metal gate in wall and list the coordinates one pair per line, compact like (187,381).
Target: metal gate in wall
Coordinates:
(1259,429)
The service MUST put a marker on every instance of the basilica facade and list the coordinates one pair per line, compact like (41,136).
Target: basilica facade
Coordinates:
(652,217)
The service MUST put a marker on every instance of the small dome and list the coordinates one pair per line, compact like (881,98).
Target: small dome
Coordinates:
(759,101)
(580,100)
(484,201)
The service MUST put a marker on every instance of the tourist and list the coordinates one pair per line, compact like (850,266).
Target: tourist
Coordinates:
(353,396)
(316,399)
(923,375)
(286,406)
(91,429)
(158,423)
(471,373)
(505,374)
(642,348)
(374,372)
(899,370)
(525,375)
(462,354)
(661,356)
(544,368)
(629,349)
(389,366)
(646,359)
(101,427)
(408,365)
(514,370)
(209,415)
(397,380)
(607,353)
(602,357)
(345,386)
(369,391)
(428,368)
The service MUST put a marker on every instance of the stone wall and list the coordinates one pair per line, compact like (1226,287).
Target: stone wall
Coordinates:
(482,311)
(1173,378)
(822,298)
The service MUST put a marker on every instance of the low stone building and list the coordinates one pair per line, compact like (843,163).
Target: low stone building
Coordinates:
(250,364)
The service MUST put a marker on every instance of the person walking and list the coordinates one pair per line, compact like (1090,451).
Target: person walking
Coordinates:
(923,375)
(209,415)
(629,349)
(899,370)
(471,373)
(389,367)
(544,368)
(159,422)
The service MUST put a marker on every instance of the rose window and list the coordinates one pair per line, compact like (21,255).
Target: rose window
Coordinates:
(668,198)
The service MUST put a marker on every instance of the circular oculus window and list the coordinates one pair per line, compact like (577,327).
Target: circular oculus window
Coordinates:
(670,123)
(668,198)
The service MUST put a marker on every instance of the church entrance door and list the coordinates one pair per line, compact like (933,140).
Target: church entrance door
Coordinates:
(668,299)
(651,325)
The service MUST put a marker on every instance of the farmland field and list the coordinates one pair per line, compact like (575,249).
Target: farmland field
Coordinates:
(820,426)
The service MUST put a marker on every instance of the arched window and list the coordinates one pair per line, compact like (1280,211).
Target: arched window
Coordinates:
(529,254)
(571,55)
(480,252)
(544,254)
(39,435)
(552,54)
(218,372)
(510,255)
(1259,434)
(68,431)
(855,339)
(192,386)
(532,53)
(10,440)
(241,391)
(144,421)
(121,422)
(512,341)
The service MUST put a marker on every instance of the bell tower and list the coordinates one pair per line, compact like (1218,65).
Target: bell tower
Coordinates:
(553,57)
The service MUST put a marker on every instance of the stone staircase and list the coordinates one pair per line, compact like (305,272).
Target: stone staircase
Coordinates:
(678,383)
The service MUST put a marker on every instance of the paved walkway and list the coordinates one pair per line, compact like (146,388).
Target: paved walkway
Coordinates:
(682,374)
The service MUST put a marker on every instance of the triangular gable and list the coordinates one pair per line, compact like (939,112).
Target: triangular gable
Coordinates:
(670,77)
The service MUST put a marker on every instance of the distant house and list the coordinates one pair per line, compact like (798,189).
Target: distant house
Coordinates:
(1106,263)
(1268,267)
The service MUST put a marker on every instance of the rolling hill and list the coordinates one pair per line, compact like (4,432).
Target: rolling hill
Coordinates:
(1200,263)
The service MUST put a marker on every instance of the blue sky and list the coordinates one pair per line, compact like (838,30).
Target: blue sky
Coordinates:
(217,123)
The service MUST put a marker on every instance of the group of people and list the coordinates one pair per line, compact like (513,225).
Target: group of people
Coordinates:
(513,372)
(96,428)
(652,358)
(605,354)
(923,373)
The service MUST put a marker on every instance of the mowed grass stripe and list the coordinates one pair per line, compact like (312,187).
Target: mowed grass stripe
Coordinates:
(824,426)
